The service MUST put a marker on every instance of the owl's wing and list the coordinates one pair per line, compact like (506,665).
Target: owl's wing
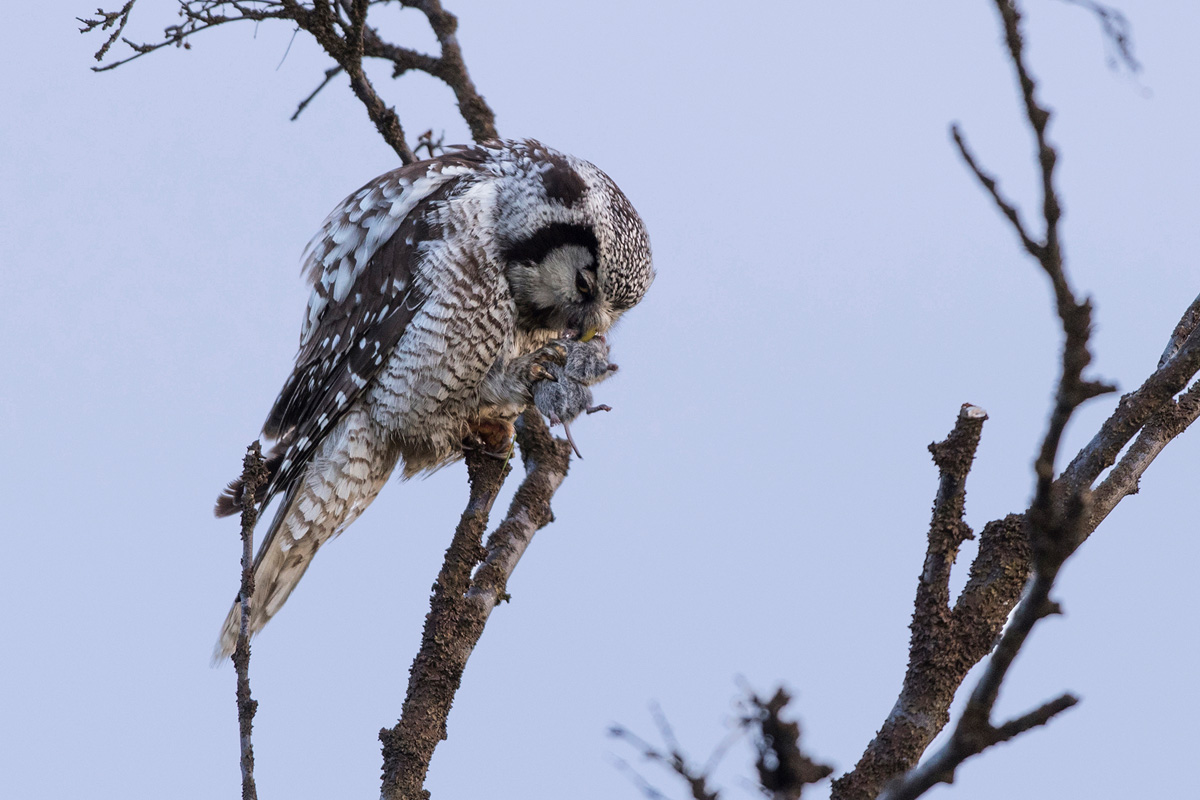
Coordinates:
(362,266)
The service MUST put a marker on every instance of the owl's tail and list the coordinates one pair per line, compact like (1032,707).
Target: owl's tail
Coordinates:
(344,476)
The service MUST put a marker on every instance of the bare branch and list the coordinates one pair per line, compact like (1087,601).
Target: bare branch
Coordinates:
(783,768)
(330,74)
(453,70)
(462,603)
(433,147)
(673,758)
(384,116)
(1187,324)
(1164,426)
(343,31)
(1006,207)
(947,529)
(198,15)
(1134,411)
(254,475)
(974,732)
(941,766)
(945,645)
(1117,32)
(106,20)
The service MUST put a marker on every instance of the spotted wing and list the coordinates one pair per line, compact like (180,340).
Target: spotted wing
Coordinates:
(361,265)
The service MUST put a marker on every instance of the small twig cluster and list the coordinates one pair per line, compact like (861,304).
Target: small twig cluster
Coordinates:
(783,768)
(673,758)
(342,30)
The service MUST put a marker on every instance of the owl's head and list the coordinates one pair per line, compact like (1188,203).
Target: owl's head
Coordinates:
(576,253)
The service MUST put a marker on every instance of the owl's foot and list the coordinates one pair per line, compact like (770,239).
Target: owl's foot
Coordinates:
(539,365)
(493,436)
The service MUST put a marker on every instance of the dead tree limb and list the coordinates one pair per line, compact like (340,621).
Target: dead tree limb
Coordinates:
(254,475)
(947,642)
(472,582)
(343,30)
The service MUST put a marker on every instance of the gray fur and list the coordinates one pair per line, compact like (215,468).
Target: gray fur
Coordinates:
(561,401)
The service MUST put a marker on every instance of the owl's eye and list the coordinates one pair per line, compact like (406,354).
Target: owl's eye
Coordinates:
(581,283)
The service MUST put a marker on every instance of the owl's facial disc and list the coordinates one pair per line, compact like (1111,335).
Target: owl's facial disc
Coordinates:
(555,281)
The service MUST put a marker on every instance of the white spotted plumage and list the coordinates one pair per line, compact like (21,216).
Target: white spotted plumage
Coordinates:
(431,297)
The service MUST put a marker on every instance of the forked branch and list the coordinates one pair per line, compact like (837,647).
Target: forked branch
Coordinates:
(473,581)
(947,642)
(343,30)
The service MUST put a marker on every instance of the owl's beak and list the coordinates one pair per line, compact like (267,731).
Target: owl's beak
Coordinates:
(588,335)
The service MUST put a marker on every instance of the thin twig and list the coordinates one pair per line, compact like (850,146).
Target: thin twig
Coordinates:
(330,74)
(343,31)
(1117,32)
(254,475)
(672,758)
(106,20)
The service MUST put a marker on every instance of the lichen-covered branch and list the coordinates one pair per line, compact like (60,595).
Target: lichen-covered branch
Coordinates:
(947,643)
(471,583)
(343,29)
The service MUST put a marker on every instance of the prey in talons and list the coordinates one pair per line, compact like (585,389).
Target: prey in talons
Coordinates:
(562,400)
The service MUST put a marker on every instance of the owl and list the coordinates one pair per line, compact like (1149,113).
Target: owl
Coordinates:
(444,293)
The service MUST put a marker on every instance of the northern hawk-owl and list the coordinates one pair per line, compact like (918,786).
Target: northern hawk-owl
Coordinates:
(444,293)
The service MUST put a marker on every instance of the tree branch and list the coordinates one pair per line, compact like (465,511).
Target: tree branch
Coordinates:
(673,758)
(453,70)
(462,602)
(254,476)
(330,74)
(944,641)
(343,31)
(945,647)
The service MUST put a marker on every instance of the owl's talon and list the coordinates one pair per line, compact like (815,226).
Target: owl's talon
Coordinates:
(539,372)
(555,353)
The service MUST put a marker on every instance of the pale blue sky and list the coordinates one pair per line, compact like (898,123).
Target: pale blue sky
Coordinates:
(832,286)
